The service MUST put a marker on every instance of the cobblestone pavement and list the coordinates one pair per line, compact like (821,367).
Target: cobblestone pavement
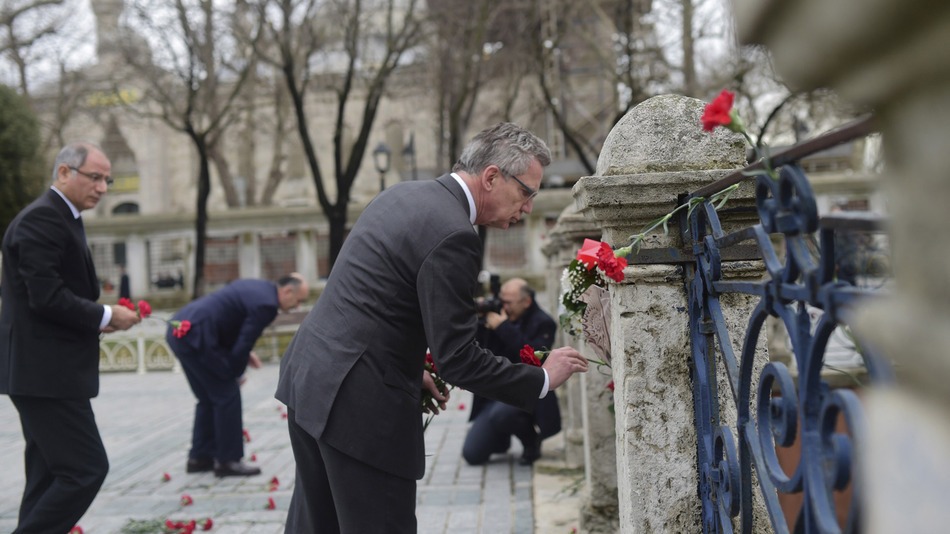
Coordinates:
(145,421)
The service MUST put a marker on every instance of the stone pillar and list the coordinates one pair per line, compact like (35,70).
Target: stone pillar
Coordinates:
(136,267)
(306,255)
(655,153)
(905,77)
(249,255)
(564,241)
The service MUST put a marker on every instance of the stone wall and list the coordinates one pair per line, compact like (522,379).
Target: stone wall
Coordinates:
(655,153)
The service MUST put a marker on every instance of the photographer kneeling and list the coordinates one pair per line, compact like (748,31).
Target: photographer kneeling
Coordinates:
(519,322)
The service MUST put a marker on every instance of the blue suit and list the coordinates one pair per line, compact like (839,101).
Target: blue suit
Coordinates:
(214,353)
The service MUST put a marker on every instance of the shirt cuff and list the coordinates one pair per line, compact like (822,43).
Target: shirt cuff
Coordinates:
(107,316)
(547,384)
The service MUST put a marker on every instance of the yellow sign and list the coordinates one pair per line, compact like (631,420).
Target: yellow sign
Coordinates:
(104,99)
(128,183)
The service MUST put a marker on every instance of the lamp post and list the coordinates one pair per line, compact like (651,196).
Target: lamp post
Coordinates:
(409,153)
(381,158)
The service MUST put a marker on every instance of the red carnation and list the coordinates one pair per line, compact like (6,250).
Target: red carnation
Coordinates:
(247,436)
(528,356)
(609,263)
(588,253)
(186,500)
(145,309)
(126,303)
(76,530)
(166,477)
(270,504)
(207,524)
(718,112)
(253,457)
(180,328)
(610,385)
(430,363)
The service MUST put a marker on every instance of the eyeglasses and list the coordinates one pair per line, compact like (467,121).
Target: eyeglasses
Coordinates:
(94,176)
(529,192)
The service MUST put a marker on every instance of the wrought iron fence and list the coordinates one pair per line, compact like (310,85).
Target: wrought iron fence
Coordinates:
(779,408)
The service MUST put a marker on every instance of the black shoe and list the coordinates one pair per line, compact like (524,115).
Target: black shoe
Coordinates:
(235,469)
(199,465)
(531,453)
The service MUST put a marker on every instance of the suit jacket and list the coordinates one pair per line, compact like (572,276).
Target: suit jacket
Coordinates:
(405,280)
(49,321)
(535,328)
(226,324)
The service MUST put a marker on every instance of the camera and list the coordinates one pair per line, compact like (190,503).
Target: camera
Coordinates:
(491,303)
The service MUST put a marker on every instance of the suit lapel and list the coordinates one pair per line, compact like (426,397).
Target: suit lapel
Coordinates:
(77,229)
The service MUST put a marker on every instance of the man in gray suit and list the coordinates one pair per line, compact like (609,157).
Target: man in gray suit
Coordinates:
(404,281)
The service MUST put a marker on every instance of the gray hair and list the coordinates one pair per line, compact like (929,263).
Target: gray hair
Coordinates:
(507,145)
(73,155)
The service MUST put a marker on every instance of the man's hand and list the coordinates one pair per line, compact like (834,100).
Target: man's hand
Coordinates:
(439,396)
(254,361)
(493,320)
(123,318)
(561,364)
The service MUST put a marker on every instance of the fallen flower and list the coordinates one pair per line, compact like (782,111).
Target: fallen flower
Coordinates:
(274,484)
(270,504)
(186,500)
(166,477)
(76,530)
(253,457)
(247,436)
(461,406)
(207,524)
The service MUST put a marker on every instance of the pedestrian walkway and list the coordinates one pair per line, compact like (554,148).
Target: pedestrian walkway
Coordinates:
(145,421)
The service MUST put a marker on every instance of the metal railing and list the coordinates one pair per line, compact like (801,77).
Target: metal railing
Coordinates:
(779,409)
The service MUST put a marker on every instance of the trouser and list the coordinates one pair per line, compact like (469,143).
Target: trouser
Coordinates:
(492,429)
(217,431)
(337,494)
(65,462)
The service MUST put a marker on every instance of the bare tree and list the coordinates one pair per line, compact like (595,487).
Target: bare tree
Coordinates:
(193,73)
(347,48)
(24,24)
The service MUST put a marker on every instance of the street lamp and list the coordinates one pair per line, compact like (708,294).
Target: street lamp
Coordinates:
(409,153)
(381,158)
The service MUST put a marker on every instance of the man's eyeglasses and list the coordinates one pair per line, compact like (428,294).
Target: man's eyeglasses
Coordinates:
(94,176)
(529,192)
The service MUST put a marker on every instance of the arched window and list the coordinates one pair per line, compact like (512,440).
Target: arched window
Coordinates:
(125,208)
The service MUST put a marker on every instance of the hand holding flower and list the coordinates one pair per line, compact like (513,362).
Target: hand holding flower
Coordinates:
(562,363)
(437,397)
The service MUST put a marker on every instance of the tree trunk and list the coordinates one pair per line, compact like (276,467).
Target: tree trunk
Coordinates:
(201,219)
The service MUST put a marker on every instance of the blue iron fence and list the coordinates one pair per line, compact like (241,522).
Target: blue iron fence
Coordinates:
(780,407)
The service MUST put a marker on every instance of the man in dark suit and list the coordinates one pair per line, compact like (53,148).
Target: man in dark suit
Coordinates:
(214,354)
(520,322)
(49,342)
(404,281)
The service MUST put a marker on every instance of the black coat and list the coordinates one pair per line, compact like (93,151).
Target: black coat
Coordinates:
(49,321)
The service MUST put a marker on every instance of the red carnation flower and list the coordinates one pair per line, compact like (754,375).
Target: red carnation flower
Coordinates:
(247,436)
(186,500)
(610,385)
(588,253)
(718,112)
(76,530)
(461,406)
(166,477)
(528,356)
(609,263)
(253,457)
(145,309)
(180,328)
(270,504)
(126,303)
(207,524)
